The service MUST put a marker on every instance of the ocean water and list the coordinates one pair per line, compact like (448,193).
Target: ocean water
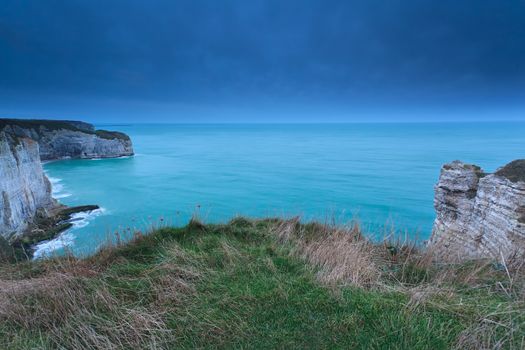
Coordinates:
(381,174)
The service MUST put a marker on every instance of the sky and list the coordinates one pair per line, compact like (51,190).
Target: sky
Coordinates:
(263,61)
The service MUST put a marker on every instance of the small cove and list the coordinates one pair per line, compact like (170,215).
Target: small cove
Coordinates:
(380,174)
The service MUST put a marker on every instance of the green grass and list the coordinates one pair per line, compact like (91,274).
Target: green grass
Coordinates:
(48,124)
(514,171)
(110,135)
(223,286)
(36,124)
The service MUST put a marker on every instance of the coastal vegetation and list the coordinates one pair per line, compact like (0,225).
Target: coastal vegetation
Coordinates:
(36,124)
(268,283)
(110,135)
(54,125)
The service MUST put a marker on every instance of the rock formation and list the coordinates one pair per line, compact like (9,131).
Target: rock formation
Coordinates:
(69,139)
(479,215)
(25,191)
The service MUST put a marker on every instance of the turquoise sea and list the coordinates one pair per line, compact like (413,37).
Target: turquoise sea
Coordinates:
(380,174)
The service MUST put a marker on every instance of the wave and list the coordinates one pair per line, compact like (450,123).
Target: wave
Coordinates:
(82,219)
(112,158)
(46,249)
(57,188)
(53,180)
(67,238)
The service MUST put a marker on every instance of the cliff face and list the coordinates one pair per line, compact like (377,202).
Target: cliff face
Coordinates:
(69,139)
(24,189)
(479,215)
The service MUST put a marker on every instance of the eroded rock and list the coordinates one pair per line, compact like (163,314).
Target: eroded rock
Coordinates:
(24,187)
(59,139)
(25,191)
(479,215)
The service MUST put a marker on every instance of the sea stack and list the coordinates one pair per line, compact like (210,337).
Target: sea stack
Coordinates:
(25,191)
(479,215)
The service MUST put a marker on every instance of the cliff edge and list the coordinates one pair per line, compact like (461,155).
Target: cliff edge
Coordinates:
(479,215)
(61,139)
(25,191)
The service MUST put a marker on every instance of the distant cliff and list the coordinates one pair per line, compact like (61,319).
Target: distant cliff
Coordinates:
(478,214)
(69,139)
(25,191)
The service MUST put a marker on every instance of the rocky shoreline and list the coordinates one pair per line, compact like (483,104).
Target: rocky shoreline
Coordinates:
(28,212)
(46,228)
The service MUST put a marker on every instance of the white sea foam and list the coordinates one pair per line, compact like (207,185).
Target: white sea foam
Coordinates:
(53,180)
(66,238)
(83,218)
(121,157)
(46,249)
(57,188)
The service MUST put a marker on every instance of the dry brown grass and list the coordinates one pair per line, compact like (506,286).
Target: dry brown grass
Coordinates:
(502,328)
(342,256)
(74,304)
(69,309)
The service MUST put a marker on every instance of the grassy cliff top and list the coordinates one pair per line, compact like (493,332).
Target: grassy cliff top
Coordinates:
(112,135)
(514,171)
(260,284)
(62,125)
(48,124)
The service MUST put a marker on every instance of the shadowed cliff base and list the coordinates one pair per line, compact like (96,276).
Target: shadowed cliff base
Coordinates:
(261,284)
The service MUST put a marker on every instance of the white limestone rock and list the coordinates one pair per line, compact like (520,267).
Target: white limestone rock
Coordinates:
(25,191)
(59,139)
(479,215)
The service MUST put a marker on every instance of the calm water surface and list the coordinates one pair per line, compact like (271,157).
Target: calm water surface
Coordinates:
(378,173)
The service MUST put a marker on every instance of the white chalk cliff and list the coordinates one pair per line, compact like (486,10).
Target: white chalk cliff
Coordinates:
(479,215)
(69,139)
(25,191)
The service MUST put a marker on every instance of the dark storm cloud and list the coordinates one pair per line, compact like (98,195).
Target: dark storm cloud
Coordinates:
(340,53)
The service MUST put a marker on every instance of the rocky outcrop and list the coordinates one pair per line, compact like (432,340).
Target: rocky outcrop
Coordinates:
(479,215)
(25,191)
(69,139)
